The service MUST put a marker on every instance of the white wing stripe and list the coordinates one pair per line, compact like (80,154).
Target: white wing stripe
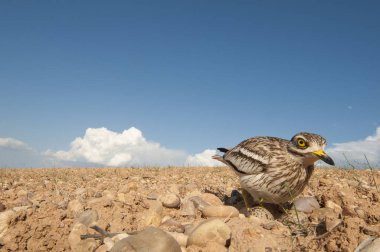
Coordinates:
(253,155)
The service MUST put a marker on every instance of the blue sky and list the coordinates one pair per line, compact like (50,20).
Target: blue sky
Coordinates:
(190,75)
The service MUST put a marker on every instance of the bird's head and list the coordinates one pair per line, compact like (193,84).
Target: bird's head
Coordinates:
(310,147)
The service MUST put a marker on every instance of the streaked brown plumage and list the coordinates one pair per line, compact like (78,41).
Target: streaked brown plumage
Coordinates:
(275,170)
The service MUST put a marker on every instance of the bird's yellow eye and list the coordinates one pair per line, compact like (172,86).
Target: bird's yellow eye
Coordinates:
(301,143)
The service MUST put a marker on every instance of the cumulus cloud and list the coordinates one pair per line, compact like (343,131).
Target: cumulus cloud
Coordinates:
(100,146)
(203,159)
(355,151)
(12,143)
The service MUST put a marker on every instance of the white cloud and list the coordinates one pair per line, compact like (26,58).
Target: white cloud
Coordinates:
(12,143)
(355,151)
(203,159)
(101,146)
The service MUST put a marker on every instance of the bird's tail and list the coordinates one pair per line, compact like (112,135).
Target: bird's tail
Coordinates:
(221,149)
(220,158)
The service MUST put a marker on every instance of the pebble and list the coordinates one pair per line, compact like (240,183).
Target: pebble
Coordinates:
(88,217)
(75,206)
(331,224)
(199,203)
(187,208)
(121,197)
(210,230)
(334,206)
(348,211)
(306,204)
(220,211)
(211,199)
(74,236)
(170,200)
(80,191)
(152,196)
(149,239)
(22,193)
(153,215)
(360,212)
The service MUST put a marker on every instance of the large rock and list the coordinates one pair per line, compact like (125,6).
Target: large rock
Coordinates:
(170,200)
(149,239)
(210,230)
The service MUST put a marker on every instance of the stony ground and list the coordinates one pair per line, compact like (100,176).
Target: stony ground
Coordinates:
(48,210)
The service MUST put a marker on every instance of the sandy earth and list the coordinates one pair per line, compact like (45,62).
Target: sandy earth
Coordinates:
(40,206)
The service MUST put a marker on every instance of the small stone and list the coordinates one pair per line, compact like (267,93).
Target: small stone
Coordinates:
(220,211)
(324,182)
(372,231)
(98,195)
(80,191)
(170,200)
(149,239)
(211,199)
(210,230)
(331,224)
(121,197)
(152,196)
(75,206)
(348,211)
(306,204)
(108,195)
(187,208)
(88,217)
(199,203)
(334,206)
(153,215)
(74,236)
(360,212)
(269,225)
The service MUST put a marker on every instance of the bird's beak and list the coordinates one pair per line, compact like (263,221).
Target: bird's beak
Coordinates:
(324,157)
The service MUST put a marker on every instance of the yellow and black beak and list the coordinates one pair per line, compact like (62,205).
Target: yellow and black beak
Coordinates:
(324,157)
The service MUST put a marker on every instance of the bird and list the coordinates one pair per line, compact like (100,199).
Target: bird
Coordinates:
(275,170)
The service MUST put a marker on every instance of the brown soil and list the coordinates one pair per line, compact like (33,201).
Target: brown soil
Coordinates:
(44,221)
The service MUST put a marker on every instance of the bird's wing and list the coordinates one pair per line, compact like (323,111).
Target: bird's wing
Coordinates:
(251,156)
